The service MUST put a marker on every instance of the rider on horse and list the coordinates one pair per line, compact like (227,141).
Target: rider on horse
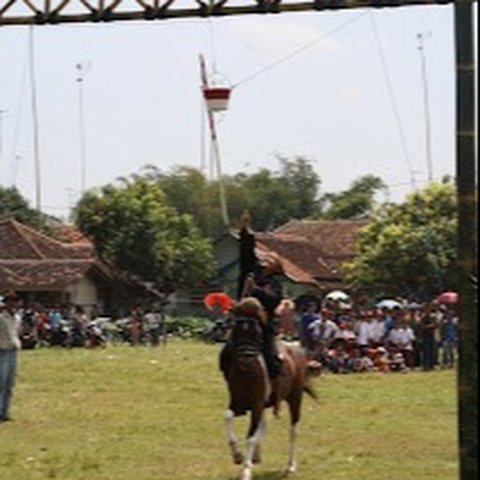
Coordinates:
(266,288)
(260,280)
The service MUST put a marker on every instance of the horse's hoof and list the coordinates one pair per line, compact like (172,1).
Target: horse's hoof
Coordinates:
(290,470)
(247,475)
(238,458)
(257,456)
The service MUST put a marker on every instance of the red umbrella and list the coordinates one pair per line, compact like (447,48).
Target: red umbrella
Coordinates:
(448,297)
(218,302)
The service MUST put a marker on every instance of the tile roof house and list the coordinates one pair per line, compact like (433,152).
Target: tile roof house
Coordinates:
(333,240)
(44,269)
(312,253)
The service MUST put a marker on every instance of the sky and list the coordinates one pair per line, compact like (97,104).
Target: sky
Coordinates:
(343,89)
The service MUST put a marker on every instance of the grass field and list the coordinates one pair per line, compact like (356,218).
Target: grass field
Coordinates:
(126,413)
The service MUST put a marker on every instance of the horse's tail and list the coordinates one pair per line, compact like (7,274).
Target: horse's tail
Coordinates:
(311,368)
(310,390)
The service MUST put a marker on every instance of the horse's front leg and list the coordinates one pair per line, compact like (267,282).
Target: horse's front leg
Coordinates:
(255,433)
(257,455)
(232,439)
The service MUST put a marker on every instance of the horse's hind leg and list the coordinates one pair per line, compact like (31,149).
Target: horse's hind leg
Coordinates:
(232,439)
(292,462)
(294,404)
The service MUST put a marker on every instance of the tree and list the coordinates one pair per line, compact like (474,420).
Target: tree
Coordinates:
(188,191)
(185,189)
(273,197)
(134,228)
(303,184)
(409,249)
(267,197)
(357,201)
(13,204)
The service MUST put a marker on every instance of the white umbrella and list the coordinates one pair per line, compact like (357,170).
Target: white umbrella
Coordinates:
(389,303)
(337,296)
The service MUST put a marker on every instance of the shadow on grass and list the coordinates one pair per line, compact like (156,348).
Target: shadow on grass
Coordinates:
(272,475)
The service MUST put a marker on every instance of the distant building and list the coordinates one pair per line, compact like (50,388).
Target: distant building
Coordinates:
(45,270)
(312,252)
(336,242)
(67,270)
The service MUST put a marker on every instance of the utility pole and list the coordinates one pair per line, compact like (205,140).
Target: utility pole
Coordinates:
(36,134)
(82,70)
(467,171)
(2,112)
(426,106)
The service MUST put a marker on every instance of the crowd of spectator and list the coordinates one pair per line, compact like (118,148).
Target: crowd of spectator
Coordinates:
(71,326)
(347,339)
(342,337)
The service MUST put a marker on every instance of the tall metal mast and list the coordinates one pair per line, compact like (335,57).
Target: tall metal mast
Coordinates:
(36,128)
(426,105)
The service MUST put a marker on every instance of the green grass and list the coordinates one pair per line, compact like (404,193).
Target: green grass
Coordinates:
(139,414)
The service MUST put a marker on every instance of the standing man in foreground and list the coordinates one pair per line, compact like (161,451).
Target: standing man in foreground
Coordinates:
(9,346)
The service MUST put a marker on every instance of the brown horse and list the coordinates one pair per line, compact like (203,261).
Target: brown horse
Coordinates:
(250,390)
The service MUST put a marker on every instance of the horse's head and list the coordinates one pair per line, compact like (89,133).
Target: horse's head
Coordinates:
(246,334)
(252,308)
(246,331)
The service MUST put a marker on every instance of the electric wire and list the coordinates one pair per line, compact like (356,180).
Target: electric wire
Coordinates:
(299,50)
(393,101)
(213,50)
(430,246)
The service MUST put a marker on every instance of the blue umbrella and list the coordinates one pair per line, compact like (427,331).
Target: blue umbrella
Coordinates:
(389,303)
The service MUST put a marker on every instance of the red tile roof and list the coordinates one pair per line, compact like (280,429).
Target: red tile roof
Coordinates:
(70,234)
(336,238)
(313,251)
(42,274)
(8,277)
(32,260)
(20,241)
(301,260)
